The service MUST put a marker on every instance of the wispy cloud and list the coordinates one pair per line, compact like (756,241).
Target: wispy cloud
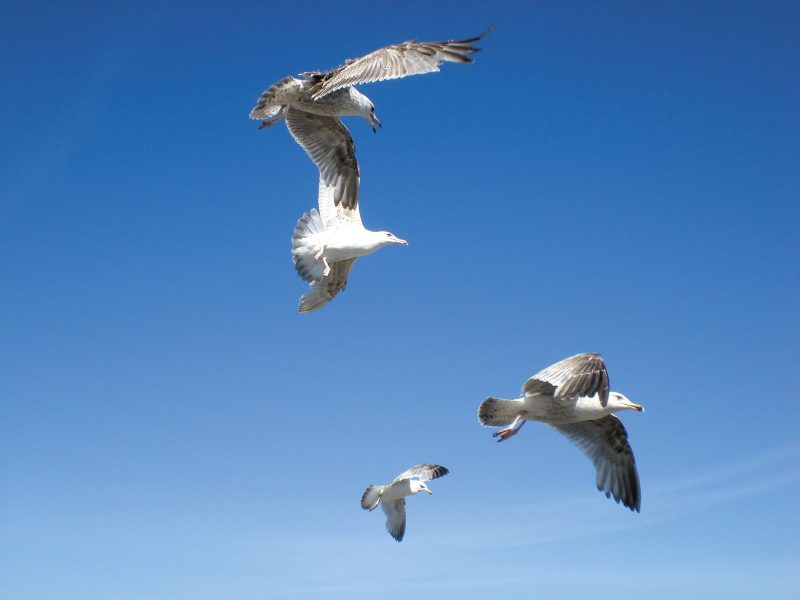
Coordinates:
(472,537)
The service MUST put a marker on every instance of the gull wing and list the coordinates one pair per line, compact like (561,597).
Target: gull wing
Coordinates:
(335,216)
(325,289)
(580,375)
(424,472)
(395,517)
(605,442)
(329,144)
(399,60)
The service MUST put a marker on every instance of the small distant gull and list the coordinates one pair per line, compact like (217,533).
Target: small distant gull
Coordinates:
(573,397)
(330,94)
(327,243)
(392,496)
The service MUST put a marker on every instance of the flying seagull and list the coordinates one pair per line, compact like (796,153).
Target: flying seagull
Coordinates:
(572,396)
(327,243)
(392,496)
(330,94)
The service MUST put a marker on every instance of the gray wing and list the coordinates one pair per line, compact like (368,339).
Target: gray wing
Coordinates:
(395,517)
(329,144)
(324,290)
(605,442)
(424,472)
(399,60)
(580,375)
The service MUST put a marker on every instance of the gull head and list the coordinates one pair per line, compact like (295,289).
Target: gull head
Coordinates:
(617,402)
(364,108)
(418,486)
(371,118)
(387,238)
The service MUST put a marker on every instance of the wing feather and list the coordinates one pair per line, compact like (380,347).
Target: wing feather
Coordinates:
(580,375)
(399,60)
(329,144)
(395,511)
(325,289)
(605,442)
(424,472)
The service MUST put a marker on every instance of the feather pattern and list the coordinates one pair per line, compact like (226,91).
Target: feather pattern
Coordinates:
(395,511)
(580,375)
(325,289)
(398,60)
(305,244)
(605,442)
(336,217)
(424,472)
(278,94)
(329,144)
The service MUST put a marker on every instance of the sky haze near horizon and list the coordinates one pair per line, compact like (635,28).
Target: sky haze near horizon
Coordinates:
(606,177)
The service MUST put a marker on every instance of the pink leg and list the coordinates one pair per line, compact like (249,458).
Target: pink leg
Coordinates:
(509,431)
(318,254)
(327,267)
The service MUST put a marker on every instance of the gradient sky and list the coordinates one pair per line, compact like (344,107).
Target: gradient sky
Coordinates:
(607,177)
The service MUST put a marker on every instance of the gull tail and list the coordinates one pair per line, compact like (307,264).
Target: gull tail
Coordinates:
(305,245)
(276,96)
(371,497)
(495,412)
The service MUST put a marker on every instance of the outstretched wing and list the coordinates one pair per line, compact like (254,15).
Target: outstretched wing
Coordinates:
(605,442)
(325,289)
(329,144)
(424,472)
(580,375)
(395,517)
(399,60)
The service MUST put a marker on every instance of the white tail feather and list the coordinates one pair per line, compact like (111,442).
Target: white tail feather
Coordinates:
(495,412)
(371,497)
(280,94)
(306,243)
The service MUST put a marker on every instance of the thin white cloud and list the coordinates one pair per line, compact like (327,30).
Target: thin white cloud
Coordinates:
(345,565)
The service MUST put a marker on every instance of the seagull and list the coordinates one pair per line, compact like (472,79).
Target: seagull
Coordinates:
(327,243)
(392,496)
(572,396)
(330,93)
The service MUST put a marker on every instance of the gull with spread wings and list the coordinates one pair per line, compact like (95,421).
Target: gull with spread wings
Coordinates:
(327,243)
(330,94)
(392,496)
(573,397)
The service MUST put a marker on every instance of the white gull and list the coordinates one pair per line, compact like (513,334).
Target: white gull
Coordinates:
(327,243)
(572,396)
(392,496)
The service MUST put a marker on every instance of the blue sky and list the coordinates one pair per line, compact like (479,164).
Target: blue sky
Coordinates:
(606,177)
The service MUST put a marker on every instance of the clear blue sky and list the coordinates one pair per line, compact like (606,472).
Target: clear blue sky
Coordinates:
(606,177)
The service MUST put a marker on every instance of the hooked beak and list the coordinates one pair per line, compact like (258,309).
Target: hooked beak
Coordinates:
(427,490)
(372,120)
(397,240)
(637,407)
